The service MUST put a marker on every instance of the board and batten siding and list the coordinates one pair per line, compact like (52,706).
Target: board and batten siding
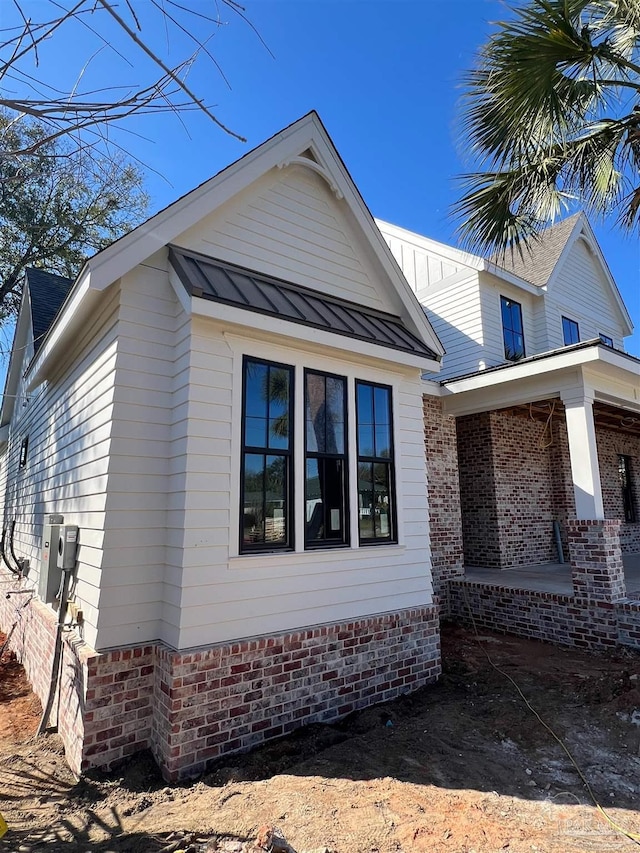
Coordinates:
(580,292)
(289,224)
(68,421)
(224,595)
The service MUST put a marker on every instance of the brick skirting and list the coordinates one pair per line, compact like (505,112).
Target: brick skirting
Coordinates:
(191,707)
(563,619)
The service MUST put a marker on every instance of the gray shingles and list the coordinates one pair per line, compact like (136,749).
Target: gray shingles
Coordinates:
(540,257)
(47,292)
(222,282)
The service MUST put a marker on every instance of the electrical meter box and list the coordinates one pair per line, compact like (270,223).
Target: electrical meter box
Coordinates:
(50,574)
(68,547)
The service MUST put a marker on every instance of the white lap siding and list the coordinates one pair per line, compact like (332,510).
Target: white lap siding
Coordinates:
(68,422)
(227,596)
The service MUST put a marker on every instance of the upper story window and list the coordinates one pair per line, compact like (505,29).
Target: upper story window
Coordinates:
(325,459)
(267,456)
(570,331)
(624,472)
(376,489)
(606,340)
(512,330)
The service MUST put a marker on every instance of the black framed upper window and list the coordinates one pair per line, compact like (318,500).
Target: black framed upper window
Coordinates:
(512,330)
(606,340)
(624,471)
(376,476)
(570,331)
(267,456)
(326,517)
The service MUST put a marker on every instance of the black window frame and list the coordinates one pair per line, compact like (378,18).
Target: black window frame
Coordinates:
(510,304)
(570,324)
(390,461)
(288,455)
(626,484)
(344,540)
(606,340)
(24,452)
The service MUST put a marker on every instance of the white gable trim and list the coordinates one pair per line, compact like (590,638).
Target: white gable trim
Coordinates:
(23,336)
(582,230)
(307,133)
(455,256)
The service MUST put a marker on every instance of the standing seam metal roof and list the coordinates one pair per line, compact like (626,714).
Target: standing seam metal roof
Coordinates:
(221,282)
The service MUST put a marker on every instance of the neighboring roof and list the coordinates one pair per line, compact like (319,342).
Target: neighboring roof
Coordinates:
(47,291)
(222,282)
(539,257)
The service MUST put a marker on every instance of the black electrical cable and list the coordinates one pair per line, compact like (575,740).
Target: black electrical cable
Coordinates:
(11,549)
(57,652)
(4,555)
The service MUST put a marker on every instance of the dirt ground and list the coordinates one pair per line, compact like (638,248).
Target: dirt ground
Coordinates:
(463,766)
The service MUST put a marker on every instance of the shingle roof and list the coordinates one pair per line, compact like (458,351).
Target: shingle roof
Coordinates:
(539,258)
(47,291)
(222,282)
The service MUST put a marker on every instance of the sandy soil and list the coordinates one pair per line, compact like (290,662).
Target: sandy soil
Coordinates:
(463,767)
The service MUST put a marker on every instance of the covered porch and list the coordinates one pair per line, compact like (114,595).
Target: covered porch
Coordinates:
(550,577)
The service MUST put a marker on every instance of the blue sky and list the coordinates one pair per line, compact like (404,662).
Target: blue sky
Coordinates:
(384,77)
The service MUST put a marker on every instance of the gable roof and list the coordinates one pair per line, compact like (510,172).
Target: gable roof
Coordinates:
(538,259)
(223,282)
(47,292)
(304,143)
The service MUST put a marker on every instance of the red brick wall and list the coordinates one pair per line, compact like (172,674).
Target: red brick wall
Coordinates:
(546,616)
(33,641)
(445,517)
(477,491)
(513,486)
(610,445)
(191,707)
(230,697)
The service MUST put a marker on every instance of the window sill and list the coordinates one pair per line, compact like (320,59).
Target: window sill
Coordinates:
(316,555)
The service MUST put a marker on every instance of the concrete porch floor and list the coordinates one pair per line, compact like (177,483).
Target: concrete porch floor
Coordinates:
(550,577)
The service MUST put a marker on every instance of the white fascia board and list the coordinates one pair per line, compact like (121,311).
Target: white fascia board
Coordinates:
(583,230)
(23,333)
(599,367)
(308,334)
(519,372)
(76,301)
(512,279)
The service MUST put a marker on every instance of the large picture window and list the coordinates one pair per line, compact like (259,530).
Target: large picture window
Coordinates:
(325,459)
(512,331)
(376,490)
(267,444)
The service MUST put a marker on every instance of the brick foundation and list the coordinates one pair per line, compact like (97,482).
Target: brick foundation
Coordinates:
(194,706)
(445,517)
(596,560)
(562,619)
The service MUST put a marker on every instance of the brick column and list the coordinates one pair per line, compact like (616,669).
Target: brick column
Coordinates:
(596,559)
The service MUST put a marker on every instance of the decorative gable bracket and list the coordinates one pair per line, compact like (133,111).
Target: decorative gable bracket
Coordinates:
(316,166)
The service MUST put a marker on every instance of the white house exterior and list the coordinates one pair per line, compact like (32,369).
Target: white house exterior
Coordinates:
(250,559)
(546,405)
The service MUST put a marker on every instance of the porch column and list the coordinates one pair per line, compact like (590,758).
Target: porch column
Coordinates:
(583,454)
(597,572)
